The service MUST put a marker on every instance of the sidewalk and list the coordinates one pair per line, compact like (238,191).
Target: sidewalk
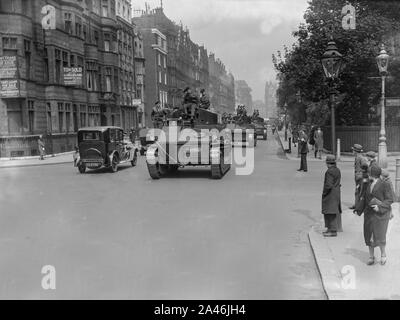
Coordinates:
(342,261)
(34,161)
(343,158)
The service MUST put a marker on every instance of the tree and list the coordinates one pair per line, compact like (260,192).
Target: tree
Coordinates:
(299,68)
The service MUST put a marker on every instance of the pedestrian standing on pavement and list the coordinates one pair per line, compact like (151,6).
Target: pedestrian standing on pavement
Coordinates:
(359,161)
(377,213)
(319,143)
(41,147)
(331,198)
(303,149)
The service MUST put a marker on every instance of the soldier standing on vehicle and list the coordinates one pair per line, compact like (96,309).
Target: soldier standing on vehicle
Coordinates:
(157,115)
(204,100)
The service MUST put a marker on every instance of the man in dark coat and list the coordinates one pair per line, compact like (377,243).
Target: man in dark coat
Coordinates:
(331,202)
(359,162)
(303,149)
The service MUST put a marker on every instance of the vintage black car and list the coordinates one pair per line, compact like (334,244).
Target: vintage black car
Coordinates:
(104,147)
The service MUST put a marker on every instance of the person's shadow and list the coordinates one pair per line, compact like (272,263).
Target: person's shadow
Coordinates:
(358,254)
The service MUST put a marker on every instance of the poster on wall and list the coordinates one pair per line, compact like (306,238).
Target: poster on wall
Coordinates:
(73,76)
(8,67)
(9,89)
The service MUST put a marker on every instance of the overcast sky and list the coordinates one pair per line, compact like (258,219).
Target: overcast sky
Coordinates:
(242,33)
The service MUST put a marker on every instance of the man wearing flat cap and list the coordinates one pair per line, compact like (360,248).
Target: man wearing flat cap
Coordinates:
(359,161)
(331,199)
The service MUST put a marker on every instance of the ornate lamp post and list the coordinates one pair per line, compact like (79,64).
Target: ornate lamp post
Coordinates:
(332,62)
(383,63)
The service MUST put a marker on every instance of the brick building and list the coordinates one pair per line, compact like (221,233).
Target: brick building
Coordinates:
(186,62)
(40,97)
(221,87)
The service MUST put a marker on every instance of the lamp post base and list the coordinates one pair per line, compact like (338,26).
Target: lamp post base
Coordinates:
(382,155)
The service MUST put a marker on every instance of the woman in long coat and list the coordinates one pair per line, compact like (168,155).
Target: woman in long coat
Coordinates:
(377,199)
(331,199)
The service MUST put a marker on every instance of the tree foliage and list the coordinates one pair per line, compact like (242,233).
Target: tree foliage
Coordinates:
(359,86)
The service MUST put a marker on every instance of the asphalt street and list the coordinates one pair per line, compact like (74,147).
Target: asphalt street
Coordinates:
(124,236)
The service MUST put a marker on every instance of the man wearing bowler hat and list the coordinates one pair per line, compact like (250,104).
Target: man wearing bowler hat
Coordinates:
(359,161)
(331,202)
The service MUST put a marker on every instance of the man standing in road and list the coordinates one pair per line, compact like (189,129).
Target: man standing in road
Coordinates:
(303,149)
(331,202)
(359,161)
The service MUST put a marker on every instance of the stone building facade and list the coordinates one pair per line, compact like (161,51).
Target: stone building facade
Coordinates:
(243,95)
(186,62)
(221,87)
(42,97)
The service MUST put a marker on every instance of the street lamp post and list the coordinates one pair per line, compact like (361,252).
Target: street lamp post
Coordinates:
(332,62)
(383,62)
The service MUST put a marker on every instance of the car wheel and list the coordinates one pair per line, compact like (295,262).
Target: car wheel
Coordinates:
(134,161)
(82,168)
(114,164)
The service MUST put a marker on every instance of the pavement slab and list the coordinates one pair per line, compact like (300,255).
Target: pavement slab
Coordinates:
(342,261)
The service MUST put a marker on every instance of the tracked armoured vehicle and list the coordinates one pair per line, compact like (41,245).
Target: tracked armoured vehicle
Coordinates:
(197,139)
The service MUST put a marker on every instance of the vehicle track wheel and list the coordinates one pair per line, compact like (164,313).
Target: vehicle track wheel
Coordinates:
(135,158)
(154,170)
(82,168)
(216,169)
(114,164)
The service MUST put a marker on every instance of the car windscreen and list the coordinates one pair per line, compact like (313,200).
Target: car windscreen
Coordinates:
(91,136)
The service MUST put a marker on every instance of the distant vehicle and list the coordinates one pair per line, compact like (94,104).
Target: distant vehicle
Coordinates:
(104,147)
(260,128)
(243,132)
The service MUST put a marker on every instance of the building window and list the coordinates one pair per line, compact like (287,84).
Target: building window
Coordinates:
(60,107)
(165,62)
(75,117)
(96,37)
(78,26)
(46,66)
(159,76)
(116,82)
(85,30)
(48,118)
(113,7)
(14,115)
(104,8)
(58,65)
(72,60)
(68,22)
(108,76)
(165,78)
(159,59)
(9,46)
(27,47)
(91,76)
(31,116)
(94,116)
(106,42)
(83,112)
(68,117)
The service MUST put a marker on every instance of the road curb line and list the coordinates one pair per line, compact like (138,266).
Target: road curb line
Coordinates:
(35,165)
(278,137)
(331,277)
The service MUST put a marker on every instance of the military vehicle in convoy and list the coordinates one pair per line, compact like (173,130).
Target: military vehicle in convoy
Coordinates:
(260,128)
(243,130)
(189,139)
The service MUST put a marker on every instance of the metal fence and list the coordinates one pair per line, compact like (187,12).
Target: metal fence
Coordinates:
(368,137)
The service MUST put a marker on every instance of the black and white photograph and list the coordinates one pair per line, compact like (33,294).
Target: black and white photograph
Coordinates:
(212,150)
